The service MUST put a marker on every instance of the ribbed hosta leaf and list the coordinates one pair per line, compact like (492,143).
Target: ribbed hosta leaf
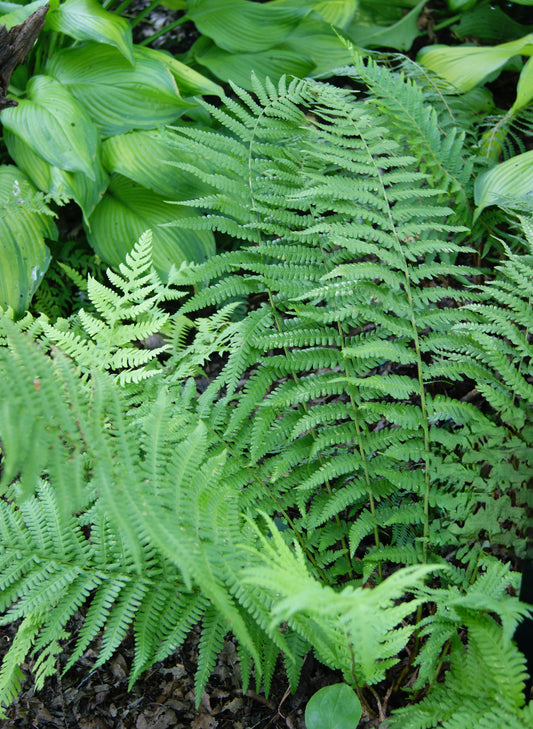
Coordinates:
(243,27)
(238,66)
(127,210)
(87,20)
(24,257)
(506,183)
(50,179)
(127,155)
(52,122)
(118,96)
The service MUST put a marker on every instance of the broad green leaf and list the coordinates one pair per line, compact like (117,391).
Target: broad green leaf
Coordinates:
(317,40)
(461,5)
(72,185)
(333,707)
(339,13)
(87,20)
(54,125)
(127,210)
(190,82)
(174,4)
(128,153)
(490,25)
(524,89)
(239,66)
(239,26)
(506,183)
(24,257)
(117,96)
(400,35)
(19,14)
(467,66)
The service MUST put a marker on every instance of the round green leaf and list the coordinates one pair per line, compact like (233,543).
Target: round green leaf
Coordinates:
(128,154)
(127,210)
(24,224)
(506,183)
(72,185)
(54,125)
(239,26)
(239,66)
(119,97)
(87,20)
(333,707)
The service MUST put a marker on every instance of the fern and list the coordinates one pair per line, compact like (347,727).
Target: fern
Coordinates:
(343,323)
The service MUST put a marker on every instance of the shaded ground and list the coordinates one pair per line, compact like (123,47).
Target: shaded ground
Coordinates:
(164,696)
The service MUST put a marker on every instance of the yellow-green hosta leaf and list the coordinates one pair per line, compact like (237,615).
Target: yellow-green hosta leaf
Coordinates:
(339,13)
(239,66)
(118,96)
(506,183)
(24,256)
(190,82)
(72,185)
(128,153)
(54,125)
(524,89)
(467,66)
(87,20)
(239,26)
(127,210)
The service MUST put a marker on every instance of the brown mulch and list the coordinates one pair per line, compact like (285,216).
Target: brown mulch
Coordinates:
(164,696)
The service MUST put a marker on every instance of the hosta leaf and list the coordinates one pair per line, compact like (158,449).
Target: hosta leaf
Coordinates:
(119,97)
(190,82)
(72,185)
(238,66)
(127,154)
(467,66)
(399,35)
(87,20)
(316,40)
(524,90)
(239,26)
(54,125)
(127,210)
(506,183)
(335,12)
(24,257)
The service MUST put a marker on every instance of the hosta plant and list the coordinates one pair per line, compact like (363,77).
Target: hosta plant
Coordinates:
(83,84)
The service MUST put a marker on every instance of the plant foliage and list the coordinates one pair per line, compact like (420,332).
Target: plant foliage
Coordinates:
(370,424)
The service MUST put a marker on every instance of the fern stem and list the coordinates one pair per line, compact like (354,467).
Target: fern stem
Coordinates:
(416,341)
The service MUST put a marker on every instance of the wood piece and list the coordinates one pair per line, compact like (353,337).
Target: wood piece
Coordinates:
(15,45)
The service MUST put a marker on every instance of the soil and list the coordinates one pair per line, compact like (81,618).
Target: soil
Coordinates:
(164,697)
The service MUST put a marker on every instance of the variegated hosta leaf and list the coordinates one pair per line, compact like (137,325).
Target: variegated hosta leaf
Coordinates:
(24,225)
(118,96)
(87,20)
(127,210)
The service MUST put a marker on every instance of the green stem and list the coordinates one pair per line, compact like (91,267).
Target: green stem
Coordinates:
(164,30)
(142,15)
